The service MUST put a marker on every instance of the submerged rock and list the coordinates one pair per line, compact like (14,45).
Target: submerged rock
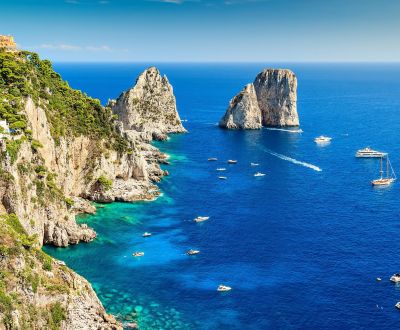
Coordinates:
(271,100)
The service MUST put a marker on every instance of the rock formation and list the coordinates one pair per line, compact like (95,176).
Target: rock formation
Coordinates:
(271,100)
(149,107)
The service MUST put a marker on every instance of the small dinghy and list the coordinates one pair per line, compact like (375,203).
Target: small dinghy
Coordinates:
(201,219)
(138,254)
(232,161)
(146,234)
(222,177)
(192,252)
(224,288)
(221,169)
(259,174)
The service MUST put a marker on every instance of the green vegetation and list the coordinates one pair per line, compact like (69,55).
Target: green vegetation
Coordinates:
(69,112)
(105,183)
(57,315)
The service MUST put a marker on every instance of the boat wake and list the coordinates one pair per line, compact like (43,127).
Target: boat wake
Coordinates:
(285,130)
(294,161)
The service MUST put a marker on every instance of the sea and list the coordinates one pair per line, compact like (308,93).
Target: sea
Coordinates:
(301,247)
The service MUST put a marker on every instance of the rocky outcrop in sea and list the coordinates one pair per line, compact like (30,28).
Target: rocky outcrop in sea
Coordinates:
(271,101)
(149,107)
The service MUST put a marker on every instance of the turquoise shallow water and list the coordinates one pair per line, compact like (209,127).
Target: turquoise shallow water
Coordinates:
(300,247)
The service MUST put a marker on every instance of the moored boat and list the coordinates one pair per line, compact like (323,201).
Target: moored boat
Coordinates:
(397,305)
(222,177)
(390,175)
(201,219)
(192,252)
(259,174)
(221,169)
(254,164)
(370,153)
(138,254)
(395,278)
(212,159)
(146,234)
(223,288)
(232,161)
(322,139)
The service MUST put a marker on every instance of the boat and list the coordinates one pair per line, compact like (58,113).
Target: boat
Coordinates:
(369,153)
(146,234)
(259,174)
(138,254)
(390,175)
(192,252)
(395,278)
(222,177)
(223,288)
(378,279)
(201,219)
(254,164)
(232,161)
(397,305)
(212,159)
(322,139)
(221,169)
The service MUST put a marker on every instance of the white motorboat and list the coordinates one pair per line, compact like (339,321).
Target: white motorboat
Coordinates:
(369,153)
(221,169)
(222,177)
(395,278)
(259,174)
(397,305)
(201,219)
(232,161)
(146,234)
(138,254)
(254,164)
(223,288)
(322,139)
(192,252)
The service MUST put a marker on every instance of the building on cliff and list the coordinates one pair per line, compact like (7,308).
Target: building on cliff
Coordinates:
(7,42)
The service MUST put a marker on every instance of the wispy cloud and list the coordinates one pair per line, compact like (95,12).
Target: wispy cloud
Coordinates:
(67,47)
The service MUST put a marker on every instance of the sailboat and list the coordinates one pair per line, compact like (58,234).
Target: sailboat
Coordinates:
(390,175)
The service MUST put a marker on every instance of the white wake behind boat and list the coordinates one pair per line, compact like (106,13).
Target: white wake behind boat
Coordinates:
(322,139)
(201,219)
(223,288)
(390,175)
(370,153)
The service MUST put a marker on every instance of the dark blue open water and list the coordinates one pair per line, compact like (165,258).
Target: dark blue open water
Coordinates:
(301,248)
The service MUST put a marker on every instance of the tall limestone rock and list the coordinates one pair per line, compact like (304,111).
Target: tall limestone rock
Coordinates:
(243,111)
(149,107)
(276,91)
(271,100)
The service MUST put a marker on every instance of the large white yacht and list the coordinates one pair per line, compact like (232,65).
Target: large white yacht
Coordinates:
(369,153)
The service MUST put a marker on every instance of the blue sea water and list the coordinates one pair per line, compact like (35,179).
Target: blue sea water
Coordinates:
(301,248)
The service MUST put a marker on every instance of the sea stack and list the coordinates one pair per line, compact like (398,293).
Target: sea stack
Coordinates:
(149,106)
(270,101)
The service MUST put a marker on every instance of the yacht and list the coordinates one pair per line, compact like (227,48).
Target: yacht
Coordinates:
(397,305)
(223,177)
(232,161)
(192,252)
(369,153)
(322,139)
(395,278)
(201,219)
(390,175)
(221,169)
(223,288)
(212,159)
(138,254)
(259,174)
(254,164)
(146,234)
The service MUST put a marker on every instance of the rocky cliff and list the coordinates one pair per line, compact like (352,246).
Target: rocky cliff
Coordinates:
(149,107)
(271,100)
(63,150)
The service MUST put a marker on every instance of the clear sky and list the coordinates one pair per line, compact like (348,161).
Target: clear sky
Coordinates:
(205,30)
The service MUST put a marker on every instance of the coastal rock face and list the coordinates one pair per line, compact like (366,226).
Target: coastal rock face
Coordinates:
(276,91)
(271,100)
(243,111)
(149,107)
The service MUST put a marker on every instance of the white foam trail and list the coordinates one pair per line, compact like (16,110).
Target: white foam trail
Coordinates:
(294,161)
(285,130)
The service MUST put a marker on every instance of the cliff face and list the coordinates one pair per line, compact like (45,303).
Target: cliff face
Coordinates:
(149,107)
(243,111)
(272,97)
(66,149)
